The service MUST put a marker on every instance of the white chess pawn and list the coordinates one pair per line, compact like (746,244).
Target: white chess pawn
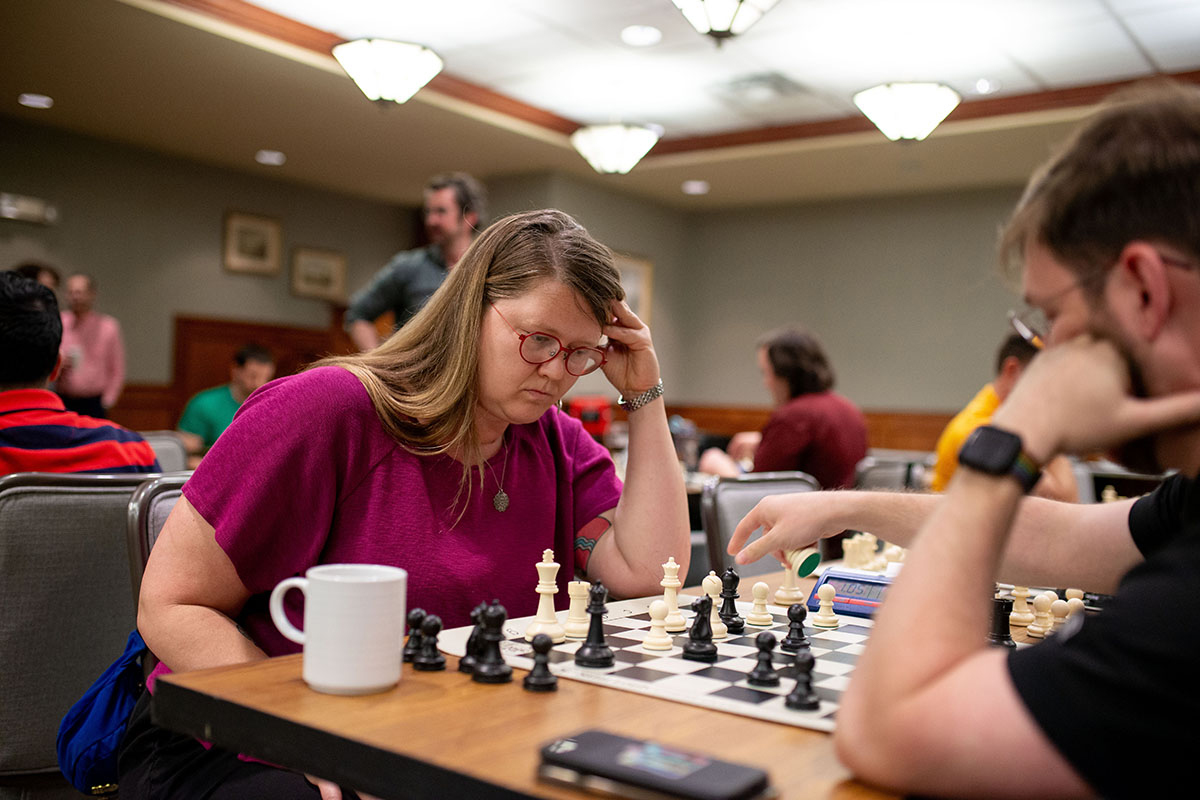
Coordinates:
(712,587)
(658,638)
(671,584)
(1058,610)
(1075,605)
(546,620)
(825,618)
(1074,594)
(1041,617)
(577,617)
(1021,615)
(759,616)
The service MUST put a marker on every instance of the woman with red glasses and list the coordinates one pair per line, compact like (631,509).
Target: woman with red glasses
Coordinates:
(443,452)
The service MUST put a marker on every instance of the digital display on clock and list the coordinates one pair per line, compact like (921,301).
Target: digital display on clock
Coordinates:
(858,589)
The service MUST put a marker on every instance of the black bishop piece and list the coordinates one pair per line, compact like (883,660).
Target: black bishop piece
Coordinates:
(595,652)
(728,613)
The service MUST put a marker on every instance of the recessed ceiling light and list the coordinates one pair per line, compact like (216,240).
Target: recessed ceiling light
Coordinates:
(641,35)
(272,158)
(695,187)
(986,86)
(35,100)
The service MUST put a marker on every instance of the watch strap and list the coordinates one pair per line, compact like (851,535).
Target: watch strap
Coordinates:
(633,404)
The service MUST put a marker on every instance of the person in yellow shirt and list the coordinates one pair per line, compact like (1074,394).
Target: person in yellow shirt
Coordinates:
(1058,480)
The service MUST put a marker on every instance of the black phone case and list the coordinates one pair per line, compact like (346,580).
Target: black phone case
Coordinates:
(636,768)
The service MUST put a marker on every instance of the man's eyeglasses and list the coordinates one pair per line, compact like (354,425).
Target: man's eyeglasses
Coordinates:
(539,347)
(1033,326)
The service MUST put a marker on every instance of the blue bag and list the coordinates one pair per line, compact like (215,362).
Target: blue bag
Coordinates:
(91,732)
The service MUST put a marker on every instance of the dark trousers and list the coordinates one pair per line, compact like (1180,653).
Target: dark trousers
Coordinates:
(156,764)
(88,406)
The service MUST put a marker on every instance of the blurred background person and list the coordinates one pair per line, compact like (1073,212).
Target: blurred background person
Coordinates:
(93,372)
(208,413)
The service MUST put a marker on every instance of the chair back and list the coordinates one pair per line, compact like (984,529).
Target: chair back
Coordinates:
(64,570)
(909,471)
(168,448)
(725,501)
(149,508)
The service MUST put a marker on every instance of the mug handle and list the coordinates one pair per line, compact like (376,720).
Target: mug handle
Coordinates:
(278,616)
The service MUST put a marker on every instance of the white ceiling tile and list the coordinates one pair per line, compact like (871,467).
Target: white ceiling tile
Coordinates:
(1098,51)
(1171,34)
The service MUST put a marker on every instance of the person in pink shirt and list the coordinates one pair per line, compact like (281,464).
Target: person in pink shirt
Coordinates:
(93,353)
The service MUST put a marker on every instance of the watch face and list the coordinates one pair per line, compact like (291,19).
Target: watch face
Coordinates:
(990,450)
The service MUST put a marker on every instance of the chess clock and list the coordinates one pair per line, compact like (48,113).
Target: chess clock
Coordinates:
(858,594)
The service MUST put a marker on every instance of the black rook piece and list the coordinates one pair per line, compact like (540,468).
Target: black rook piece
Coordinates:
(728,612)
(764,673)
(802,697)
(428,659)
(467,662)
(414,633)
(795,639)
(489,663)
(595,652)
(540,678)
(699,646)
(1001,635)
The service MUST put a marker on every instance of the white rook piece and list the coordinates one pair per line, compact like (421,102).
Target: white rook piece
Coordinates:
(577,618)
(671,584)
(797,560)
(546,622)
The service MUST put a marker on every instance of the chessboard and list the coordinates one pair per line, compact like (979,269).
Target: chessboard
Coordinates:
(721,686)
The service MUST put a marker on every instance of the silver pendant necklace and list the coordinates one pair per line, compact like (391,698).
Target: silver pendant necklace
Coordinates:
(500,499)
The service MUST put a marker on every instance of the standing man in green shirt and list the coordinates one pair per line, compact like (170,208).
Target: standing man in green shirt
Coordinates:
(209,412)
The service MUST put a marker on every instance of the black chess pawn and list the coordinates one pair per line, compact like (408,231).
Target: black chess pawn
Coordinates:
(540,678)
(802,697)
(489,662)
(699,646)
(729,613)
(413,645)
(467,662)
(764,673)
(795,639)
(1001,634)
(428,659)
(595,652)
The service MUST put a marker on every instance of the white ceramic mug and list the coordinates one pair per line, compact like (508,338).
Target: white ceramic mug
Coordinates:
(354,619)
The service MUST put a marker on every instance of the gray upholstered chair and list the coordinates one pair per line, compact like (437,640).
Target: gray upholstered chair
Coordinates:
(64,573)
(168,449)
(906,470)
(726,500)
(149,508)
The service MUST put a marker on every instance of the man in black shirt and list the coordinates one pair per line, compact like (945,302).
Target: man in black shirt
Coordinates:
(1108,239)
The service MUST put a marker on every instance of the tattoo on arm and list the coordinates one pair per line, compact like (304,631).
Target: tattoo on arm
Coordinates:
(585,541)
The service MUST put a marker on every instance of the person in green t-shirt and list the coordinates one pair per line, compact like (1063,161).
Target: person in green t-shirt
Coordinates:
(209,412)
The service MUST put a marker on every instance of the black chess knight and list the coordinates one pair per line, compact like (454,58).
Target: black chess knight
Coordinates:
(699,646)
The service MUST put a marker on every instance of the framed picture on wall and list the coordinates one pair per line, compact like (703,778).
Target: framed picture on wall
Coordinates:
(319,273)
(253,244)
(637,276)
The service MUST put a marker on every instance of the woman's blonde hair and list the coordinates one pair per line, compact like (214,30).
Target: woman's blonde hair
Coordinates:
(423,380)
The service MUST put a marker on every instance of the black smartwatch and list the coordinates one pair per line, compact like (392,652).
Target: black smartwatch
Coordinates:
(995,451)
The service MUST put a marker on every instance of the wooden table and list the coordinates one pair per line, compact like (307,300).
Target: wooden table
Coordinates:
(440,734)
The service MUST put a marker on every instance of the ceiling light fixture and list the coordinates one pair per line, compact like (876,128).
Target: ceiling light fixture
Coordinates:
(271,158)
(722,19)
(641,35)
(35,100)
(614,148)
(907,110)
(387,70)
(695,187)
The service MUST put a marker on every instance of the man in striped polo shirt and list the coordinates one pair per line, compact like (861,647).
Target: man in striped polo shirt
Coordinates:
(37,434)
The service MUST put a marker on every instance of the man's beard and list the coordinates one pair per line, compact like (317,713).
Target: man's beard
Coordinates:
(1140,454)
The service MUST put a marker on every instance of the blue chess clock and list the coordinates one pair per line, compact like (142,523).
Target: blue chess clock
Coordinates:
(858,594)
